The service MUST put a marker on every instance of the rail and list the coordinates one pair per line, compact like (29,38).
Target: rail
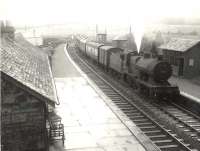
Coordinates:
(163,137)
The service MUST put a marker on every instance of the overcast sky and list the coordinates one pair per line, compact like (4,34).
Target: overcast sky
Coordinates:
(39,12)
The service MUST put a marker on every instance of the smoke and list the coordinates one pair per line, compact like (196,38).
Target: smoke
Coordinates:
(138,34)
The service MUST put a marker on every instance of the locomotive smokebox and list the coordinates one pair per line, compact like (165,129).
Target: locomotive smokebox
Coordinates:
(157,69)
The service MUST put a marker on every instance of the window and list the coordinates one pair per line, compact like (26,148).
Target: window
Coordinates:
(191,62)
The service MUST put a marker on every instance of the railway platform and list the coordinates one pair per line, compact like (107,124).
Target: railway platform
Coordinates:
(89,123)
(188,88)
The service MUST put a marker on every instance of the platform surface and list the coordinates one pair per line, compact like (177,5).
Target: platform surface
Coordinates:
(89,123)
(187,88)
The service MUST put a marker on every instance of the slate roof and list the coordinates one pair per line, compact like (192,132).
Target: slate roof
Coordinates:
(94,44)
(82,37)
(29,66)
(178,44)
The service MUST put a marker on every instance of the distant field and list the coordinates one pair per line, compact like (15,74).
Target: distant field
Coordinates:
(182,29)
(191,31)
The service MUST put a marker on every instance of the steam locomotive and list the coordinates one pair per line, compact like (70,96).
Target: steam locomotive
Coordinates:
(148,75)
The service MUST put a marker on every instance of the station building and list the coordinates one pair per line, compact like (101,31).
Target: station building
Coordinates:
(28,95)
(183,55)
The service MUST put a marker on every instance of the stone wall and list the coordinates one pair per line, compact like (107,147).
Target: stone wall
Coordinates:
(23,120)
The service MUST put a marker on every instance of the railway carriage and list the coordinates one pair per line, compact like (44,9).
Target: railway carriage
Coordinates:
(81,43)
(92,50)
(77,41)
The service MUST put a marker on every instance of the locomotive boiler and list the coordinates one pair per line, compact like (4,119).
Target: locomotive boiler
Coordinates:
(151,75)
(158,70)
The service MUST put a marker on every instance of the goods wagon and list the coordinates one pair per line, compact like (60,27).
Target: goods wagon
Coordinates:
(82,45)
(92,50)
(104,52)
(116,60)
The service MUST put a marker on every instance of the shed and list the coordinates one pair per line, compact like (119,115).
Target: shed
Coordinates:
(28,94)
(183,55)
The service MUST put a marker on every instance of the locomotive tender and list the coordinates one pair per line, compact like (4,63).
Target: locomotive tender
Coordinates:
(149,75)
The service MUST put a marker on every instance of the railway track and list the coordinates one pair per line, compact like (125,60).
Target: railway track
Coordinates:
(166,127)
(186,121)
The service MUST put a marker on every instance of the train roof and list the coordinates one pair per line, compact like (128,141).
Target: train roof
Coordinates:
(106,47)
(94,44)
(110,48)
(28,67)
